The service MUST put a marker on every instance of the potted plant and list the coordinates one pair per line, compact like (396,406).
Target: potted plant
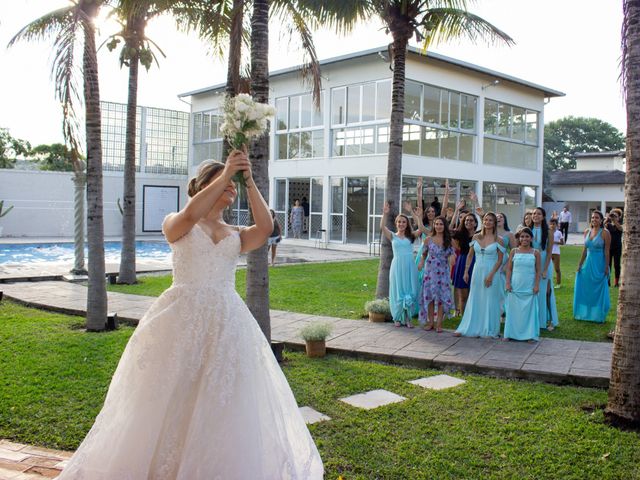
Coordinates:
(378,309)
(3,212)
(315,335)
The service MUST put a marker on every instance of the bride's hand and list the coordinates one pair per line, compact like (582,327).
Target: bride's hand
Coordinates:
(237,161)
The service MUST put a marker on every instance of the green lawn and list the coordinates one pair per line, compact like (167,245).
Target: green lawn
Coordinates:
(54,378)
(340,290)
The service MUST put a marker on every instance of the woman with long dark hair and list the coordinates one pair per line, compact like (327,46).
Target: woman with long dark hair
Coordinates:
(461,239)
(543,242)
(403,275)
(591,294)
(436,289)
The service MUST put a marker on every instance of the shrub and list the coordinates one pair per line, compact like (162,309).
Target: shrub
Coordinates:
(316,331)
(379,305)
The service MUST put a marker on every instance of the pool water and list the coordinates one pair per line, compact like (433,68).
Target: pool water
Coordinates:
(30,253)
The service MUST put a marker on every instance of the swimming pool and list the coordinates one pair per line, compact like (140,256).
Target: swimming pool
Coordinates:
(34,253)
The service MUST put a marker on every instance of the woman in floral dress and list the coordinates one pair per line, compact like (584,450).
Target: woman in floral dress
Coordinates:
(436,288)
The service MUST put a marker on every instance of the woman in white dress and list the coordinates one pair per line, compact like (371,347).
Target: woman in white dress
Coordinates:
(198,393)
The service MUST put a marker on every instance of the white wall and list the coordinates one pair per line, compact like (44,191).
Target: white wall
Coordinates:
(589,193)
(43,201)
(600,163)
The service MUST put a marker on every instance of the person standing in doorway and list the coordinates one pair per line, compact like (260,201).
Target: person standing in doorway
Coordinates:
(565,220)
(558,239)
(296,218)
(305,207)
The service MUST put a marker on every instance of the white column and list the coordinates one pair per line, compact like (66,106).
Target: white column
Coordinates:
(603,206)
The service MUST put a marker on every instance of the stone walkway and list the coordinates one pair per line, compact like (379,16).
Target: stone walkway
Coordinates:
(550,360)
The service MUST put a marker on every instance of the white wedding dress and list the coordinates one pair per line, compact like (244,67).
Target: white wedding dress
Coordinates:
(198,393)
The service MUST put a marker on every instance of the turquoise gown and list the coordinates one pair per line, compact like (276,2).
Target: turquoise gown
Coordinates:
(502,271)
(521,305)
(403,281)
(482,314)
(591,294)
(548,313)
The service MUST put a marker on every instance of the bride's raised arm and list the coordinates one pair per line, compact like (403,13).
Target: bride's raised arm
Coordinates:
(177,225)
(256,235)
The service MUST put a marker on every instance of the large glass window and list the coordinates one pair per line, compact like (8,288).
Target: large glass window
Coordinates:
(511,135)
(300,131)
(445,119)
(363,128)
(207,139)
(509,199)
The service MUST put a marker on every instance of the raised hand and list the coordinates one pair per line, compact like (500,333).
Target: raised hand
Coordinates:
(386,208)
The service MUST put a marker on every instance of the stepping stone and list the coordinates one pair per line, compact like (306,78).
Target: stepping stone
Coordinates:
(438,382)
(312,416)
(372,399)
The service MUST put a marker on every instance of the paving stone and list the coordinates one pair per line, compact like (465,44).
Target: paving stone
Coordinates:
(548,363)
(11,455)
(8,473)
(44,472)
(372,399)
(438,382)
(312,416)
(562,348)
(592,364)
(11,445)
(47,452)
(580,372)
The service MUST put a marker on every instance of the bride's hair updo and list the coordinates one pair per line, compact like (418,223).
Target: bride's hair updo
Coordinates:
(206,172)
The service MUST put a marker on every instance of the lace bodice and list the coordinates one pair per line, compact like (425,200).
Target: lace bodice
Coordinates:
(201,263)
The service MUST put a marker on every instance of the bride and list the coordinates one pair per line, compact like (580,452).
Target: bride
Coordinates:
(197,393)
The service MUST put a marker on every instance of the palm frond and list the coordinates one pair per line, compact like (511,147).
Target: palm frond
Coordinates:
(298,25)
(340,16)
(44,27)
(443,24)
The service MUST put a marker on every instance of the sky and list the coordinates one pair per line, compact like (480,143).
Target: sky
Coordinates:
(568,45)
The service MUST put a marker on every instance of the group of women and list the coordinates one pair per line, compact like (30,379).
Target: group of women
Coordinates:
(495,273)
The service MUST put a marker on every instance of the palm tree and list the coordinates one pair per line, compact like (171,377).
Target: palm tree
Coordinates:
(134,15)
(623,407)
(64,25)
(257,260)
(430,21)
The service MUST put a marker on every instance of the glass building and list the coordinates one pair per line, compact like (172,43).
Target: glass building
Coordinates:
(162,139)
(480,129)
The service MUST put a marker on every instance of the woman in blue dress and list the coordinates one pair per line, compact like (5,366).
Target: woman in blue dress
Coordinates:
(436,287)
(543,242)
(482,314)
(403,275)
(522,284)
(591,295)
(509,241)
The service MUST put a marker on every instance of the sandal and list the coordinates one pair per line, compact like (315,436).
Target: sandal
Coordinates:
(428,327)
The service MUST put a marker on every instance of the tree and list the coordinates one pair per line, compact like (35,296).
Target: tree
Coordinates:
(570,135)
(257,260)
(65,26)
(134,15)
(431,22)
(11,147)
(623,407)
(55,157)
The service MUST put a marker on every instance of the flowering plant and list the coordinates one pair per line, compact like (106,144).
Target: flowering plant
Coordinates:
(243,120)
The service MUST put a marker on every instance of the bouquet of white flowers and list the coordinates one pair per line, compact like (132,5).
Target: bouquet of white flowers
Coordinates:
(243,120)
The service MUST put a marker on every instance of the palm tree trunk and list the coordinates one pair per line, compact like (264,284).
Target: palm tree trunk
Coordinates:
(257,260)
(127,272)
(394,162)
(623,407)
(96,292)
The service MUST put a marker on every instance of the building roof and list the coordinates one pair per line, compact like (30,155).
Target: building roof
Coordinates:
(382,51)
(587,177)
(614,153)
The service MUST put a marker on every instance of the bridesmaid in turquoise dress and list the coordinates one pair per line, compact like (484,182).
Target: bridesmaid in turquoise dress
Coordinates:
(403,275)
(482,313)
(522,284)
(509,242)
(591,294)
(543,242)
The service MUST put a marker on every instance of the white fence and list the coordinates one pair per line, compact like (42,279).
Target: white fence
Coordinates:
(43,201)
